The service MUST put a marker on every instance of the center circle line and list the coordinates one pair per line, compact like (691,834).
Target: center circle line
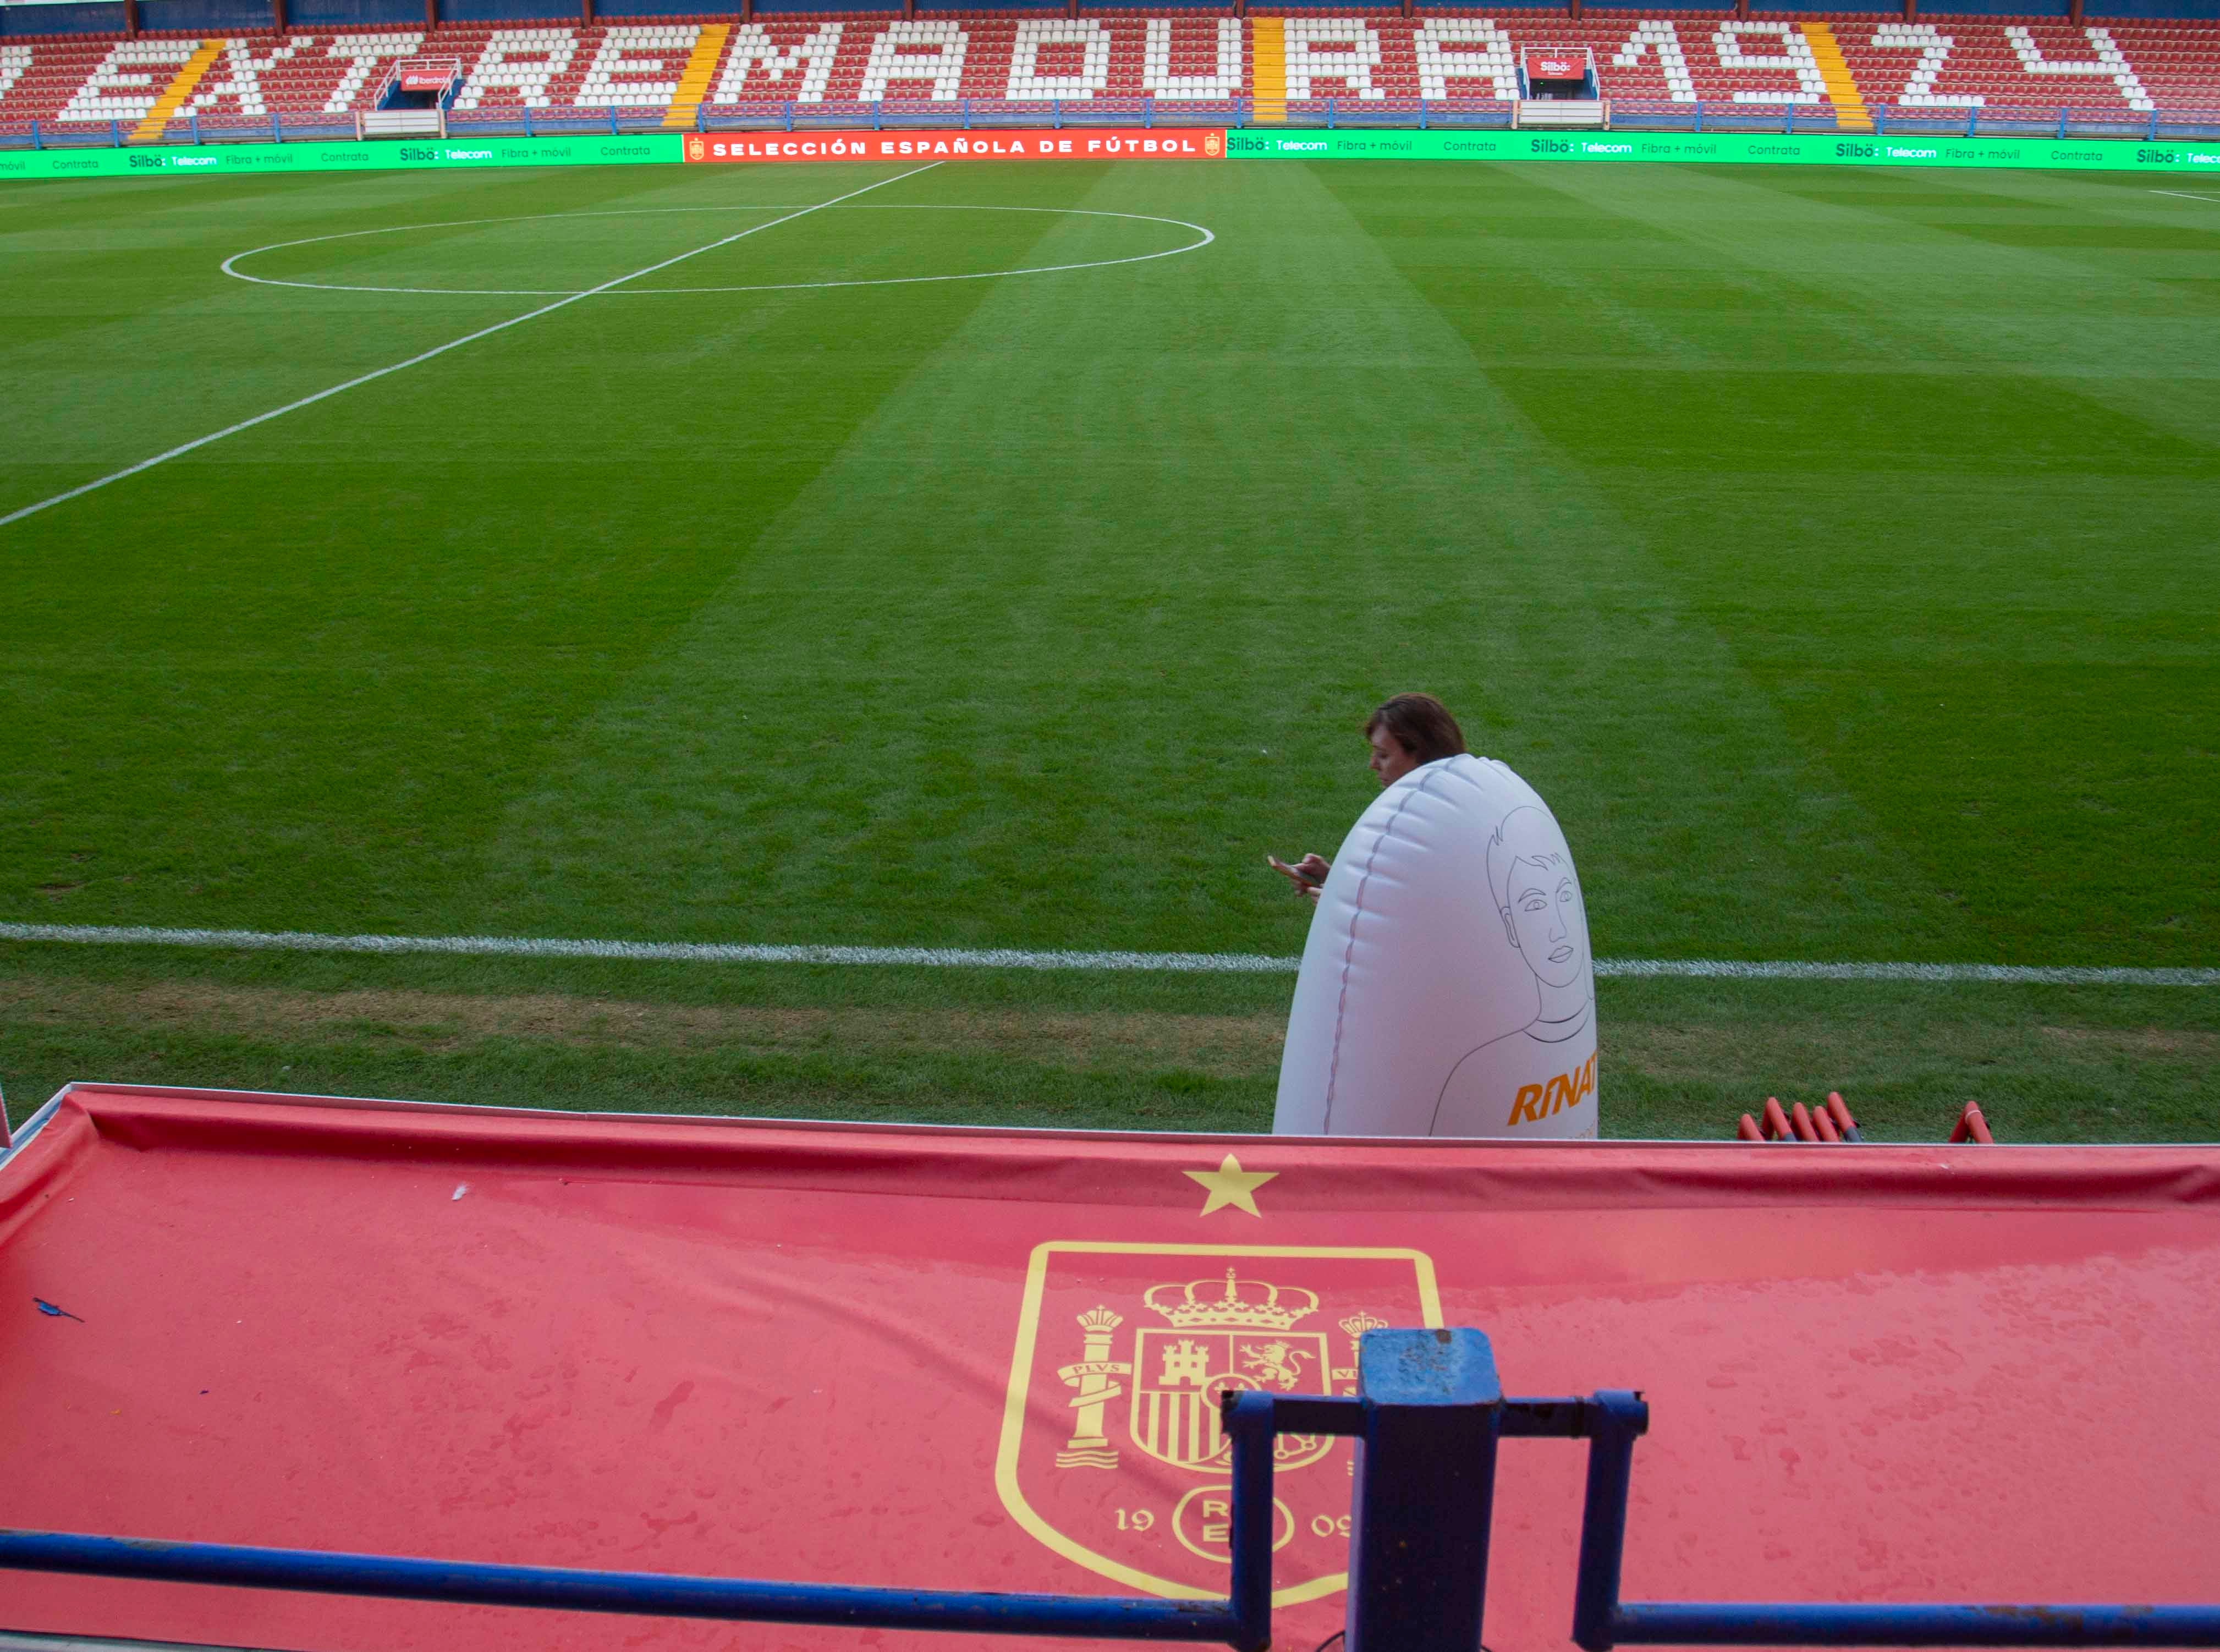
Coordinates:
(229,266)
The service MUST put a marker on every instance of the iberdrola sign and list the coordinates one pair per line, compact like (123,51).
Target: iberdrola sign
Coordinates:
(1730,148)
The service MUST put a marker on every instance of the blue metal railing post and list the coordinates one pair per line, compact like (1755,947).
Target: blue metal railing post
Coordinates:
(115,135)
(277,127)
(2061,122)
(1424,1493)
(1614,1419)
(37,140)
(1249,1420)
(613,120)
(1603,1518)
(528,132)
(1329,115)
(1699,115)
(789,114)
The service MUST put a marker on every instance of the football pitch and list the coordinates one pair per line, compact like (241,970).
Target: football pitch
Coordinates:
(986,556)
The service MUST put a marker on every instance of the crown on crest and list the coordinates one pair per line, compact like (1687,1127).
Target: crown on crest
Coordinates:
(1358,1324)
(1262,1307)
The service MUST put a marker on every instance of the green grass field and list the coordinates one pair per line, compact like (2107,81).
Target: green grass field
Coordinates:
(1839,552)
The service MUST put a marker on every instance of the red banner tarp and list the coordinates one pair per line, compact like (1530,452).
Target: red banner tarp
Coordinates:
(954,1359)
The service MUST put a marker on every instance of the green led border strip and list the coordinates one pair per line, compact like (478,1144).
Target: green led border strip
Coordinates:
(666,148)
(2089,155)
(648,148)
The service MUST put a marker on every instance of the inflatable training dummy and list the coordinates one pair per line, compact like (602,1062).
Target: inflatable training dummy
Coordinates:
(1447,988)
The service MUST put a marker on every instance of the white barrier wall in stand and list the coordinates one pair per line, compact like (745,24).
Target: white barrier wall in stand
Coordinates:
(1447,987)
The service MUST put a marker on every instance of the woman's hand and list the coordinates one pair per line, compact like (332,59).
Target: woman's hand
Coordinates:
(1307,874)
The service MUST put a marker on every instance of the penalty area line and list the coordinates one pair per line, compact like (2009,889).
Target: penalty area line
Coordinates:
(1011,958)
(441,350)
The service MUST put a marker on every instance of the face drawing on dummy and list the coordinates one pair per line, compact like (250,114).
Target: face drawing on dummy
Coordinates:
(1530,870)
(1519,1077)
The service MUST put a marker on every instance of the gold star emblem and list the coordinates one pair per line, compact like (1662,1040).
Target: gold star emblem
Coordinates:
(1229,1184)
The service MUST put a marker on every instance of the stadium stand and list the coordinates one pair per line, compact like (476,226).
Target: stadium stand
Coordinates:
(1837,71)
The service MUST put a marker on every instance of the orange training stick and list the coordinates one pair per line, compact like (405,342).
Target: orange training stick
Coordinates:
(1747,1131)
(1824,1125)
(1776,1122)
(1843,1122)
(1801,1116)
(1971,1126)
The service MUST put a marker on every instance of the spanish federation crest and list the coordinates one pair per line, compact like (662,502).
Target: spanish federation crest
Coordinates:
(1112,1450)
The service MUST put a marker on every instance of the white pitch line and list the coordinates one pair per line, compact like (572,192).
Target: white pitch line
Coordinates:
(230,265)
(2179,195)
(1009,958)
(441,350)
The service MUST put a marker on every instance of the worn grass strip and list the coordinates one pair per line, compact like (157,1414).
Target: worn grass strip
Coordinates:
(1679,1060)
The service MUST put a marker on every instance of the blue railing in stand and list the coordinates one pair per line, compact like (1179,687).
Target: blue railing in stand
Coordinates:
(1602,1620)
(1242,1621)
(645,1593)
(1430,1413)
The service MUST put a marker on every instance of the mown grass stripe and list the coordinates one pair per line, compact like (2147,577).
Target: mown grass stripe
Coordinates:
(184,448)
(1014,958)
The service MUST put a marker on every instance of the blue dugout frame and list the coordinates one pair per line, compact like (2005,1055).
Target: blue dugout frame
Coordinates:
(1429,1415)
